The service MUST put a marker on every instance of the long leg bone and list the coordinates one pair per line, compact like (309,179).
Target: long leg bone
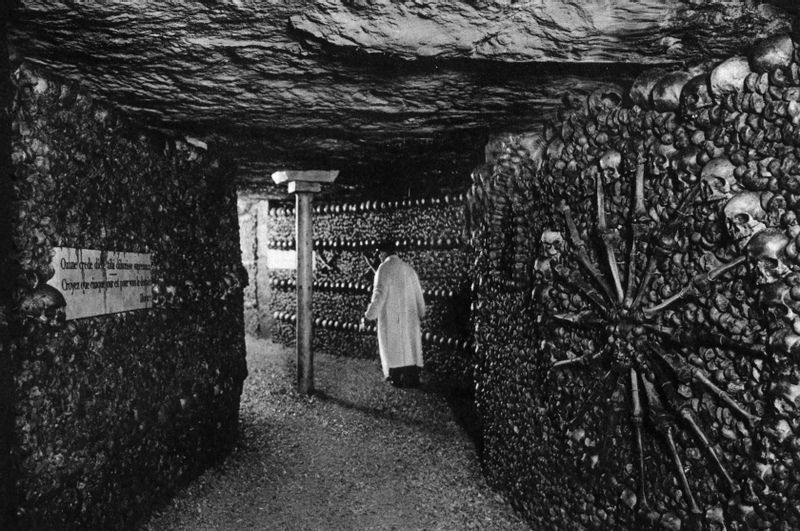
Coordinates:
(688,417)
(580,360)
(707,339)
(636,418)
(699,377)
(571,282)
(662,424)
(686,373)
(583,320)
(654,249)
(579,248)
(649,270)
(699,282)
(668,389)
(607,236)
(608,433)
(640,224)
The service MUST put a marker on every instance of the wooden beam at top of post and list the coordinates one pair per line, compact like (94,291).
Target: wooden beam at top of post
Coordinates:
(309,176)
(304,184)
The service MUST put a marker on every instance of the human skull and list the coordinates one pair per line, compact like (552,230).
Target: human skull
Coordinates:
(775,298)
(535,144)
(551,244)
(493,150)
(695,96)
(159,299)
(609,165)
(666,92)
(729,76)
(661,158)
(555,148)
(685,165)
(643,85)
(45,304)
(171,294)
(603,99)
(743,217)
(717,179)
(766,256)
(773,52)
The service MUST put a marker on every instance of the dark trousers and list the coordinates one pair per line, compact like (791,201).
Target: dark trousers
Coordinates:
(405,376)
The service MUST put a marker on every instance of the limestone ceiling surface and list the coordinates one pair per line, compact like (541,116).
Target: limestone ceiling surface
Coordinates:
(383,90)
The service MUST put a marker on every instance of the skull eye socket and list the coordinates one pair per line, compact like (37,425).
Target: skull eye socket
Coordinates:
(741,219)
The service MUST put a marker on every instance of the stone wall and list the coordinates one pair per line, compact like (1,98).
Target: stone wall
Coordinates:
(428,231)
(636,301)
(248,245)
(114,411)
(253,229)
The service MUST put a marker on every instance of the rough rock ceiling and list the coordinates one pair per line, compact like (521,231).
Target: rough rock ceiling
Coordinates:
(388,92)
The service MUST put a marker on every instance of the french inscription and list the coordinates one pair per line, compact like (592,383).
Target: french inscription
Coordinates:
(96,282)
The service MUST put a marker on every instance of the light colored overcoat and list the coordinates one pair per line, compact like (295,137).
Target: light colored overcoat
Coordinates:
(398,306)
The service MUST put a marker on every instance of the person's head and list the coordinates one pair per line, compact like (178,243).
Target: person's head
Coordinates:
(385,248)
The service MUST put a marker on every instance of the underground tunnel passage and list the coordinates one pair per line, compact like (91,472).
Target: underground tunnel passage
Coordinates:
(598,201)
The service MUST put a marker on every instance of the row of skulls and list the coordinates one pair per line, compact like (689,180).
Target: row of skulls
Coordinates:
(744,212)
(693,114)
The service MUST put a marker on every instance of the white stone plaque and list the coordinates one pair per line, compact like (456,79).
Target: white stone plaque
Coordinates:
(99,282)
(286,259)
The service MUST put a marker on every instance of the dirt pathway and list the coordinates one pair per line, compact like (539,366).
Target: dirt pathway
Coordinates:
(359,455)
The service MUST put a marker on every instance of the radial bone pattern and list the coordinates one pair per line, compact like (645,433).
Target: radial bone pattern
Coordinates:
(655,244)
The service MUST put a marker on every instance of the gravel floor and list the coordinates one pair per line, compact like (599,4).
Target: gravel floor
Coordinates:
(360,454)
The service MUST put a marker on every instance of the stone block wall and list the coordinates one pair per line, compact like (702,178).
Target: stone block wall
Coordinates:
(253,229)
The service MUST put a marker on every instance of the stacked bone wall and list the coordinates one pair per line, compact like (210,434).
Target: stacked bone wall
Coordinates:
(639,369)
(115,411)
(429,234)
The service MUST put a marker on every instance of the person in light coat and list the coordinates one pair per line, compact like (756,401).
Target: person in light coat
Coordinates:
(398,305)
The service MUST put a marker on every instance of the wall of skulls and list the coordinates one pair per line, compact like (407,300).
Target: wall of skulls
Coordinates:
(113,412)
(636,303)
(429,237)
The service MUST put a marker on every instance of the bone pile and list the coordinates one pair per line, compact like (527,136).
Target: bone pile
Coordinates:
(115,411)
(427,235)
(648,245)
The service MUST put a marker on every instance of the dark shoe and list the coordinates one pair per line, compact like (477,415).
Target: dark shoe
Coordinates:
(396,377)
(412,377)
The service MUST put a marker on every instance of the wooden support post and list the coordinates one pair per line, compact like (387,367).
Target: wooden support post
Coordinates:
(304,184)
(305,357)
